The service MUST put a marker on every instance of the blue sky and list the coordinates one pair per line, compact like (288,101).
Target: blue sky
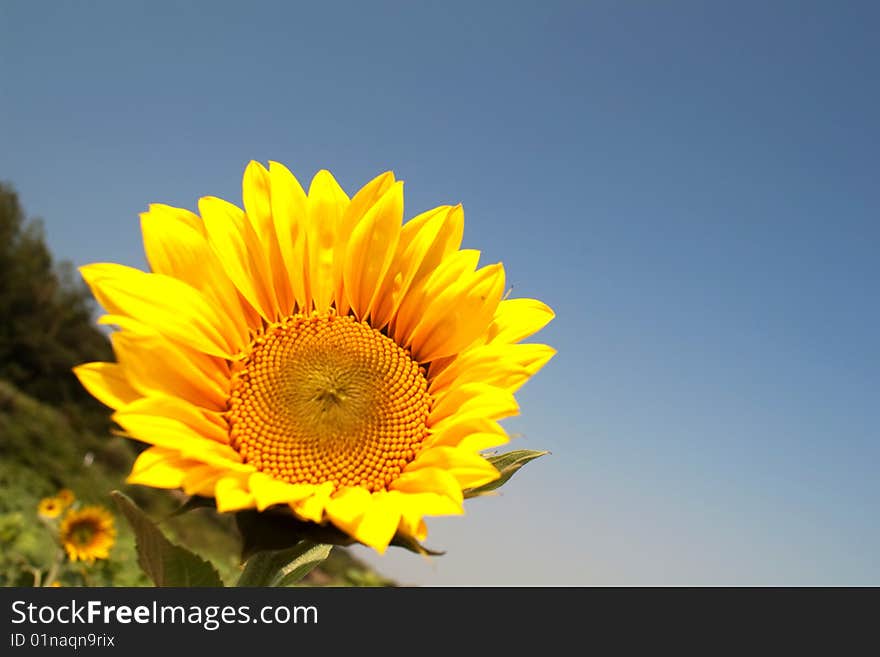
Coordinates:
(692,186)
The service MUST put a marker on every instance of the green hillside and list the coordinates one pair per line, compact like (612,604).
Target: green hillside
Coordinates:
(53,435)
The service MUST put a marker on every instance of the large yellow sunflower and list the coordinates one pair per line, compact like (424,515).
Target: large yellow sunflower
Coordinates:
(88,533)
(313,351)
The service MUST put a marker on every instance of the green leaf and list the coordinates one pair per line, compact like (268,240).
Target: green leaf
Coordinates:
(303,565)
(164,562)
(507,464)
(283,567)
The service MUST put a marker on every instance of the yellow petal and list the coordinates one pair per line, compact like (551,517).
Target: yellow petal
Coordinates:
(347,508)
(233,239)
(166,304)
(371,248)
(494,403)
(414,506)
(201,480)
(191,377)
(366,197)
(504,375)
(269,491)
(232,494)
(429,480)
(290,214)
(176,245)
(257,198)
(419,296)
(174,434)
(177,217)
(107,383)
(173,238)
(503,365)
(458,315)
(372,518)
(469,469)
(425,241)
(148,344)
(312,508)
(207,424)
(159,468)
(516,319)
(469,401)
(477,442)
(326,205)
(379,523)
(411,524)
(474,434)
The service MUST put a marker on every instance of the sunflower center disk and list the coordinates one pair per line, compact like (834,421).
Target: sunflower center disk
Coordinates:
(82,533)
(328,398)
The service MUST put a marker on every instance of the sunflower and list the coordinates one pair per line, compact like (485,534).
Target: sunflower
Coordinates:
(66,497)
(88,533)
(311,351)
(50,507)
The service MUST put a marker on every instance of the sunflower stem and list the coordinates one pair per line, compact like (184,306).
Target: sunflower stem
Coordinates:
(53,569)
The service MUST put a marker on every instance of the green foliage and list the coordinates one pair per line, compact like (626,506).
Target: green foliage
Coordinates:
(42,445)
(46,326)
(283,567)
(54,435)
(165,563)
(342,569)
(41,452)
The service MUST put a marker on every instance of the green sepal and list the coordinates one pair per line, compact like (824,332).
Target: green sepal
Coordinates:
(192,503)
(409,543)
(164,562)
(507,464)
(272,530)
(283,567)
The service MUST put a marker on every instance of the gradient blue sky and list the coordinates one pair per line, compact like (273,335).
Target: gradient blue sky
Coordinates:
(693,187)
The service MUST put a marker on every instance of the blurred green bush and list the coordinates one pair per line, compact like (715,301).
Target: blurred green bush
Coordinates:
(54,435)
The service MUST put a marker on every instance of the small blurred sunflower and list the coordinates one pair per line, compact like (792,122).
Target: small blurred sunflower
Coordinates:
(66,497)
(50,508)
(88,533)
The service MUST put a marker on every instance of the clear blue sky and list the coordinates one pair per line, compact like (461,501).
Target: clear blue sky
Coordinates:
(693,186)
